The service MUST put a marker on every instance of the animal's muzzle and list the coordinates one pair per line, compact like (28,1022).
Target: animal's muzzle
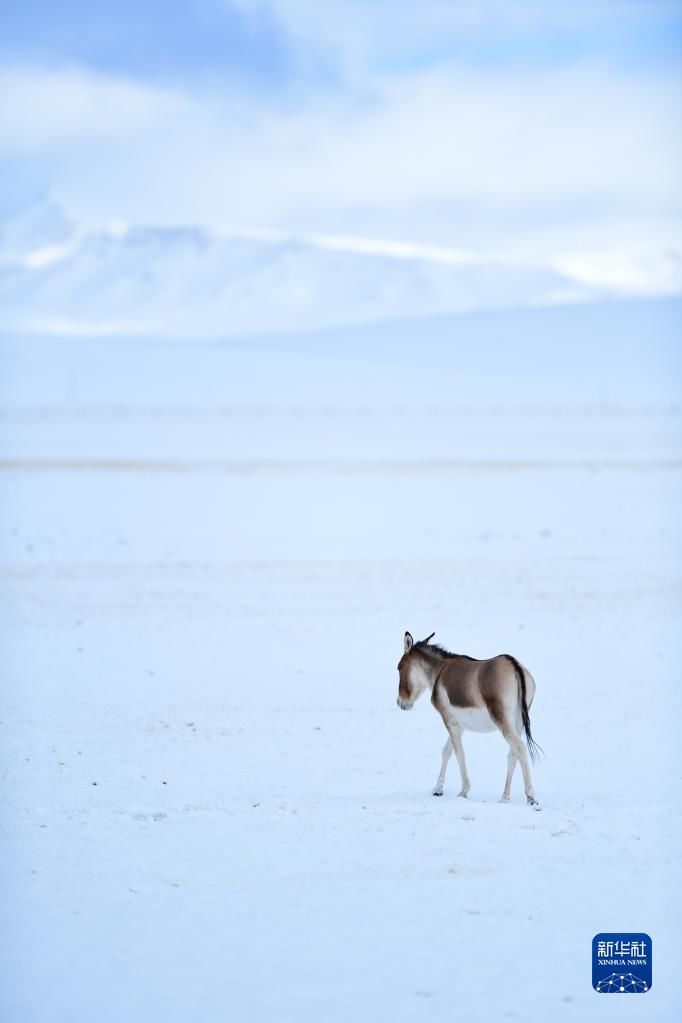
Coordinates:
(403,704)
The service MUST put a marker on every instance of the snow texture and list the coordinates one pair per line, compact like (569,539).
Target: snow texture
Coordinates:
(213,809)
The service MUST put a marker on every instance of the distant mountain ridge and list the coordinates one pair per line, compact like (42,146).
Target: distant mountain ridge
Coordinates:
(59,276)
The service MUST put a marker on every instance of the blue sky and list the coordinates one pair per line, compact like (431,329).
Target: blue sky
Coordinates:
(535,128)
(277,44)
(151,40)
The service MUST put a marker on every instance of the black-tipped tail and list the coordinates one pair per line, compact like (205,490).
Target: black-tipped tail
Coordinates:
(533,747)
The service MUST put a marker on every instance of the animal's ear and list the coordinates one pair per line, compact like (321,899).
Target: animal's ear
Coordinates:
(408,642)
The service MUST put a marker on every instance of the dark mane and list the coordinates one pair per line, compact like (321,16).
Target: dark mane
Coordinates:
(439,651)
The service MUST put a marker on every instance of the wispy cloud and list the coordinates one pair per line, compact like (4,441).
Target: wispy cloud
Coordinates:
(605,145)
(46,110)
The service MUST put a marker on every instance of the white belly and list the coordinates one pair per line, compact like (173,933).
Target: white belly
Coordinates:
(472,719)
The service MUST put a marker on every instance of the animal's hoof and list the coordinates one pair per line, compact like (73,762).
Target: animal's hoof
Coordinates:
(504,799)
(534,805)
(437,792)
(462,795)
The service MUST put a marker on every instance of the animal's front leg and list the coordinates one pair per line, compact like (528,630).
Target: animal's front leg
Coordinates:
(456,738)
(447,753)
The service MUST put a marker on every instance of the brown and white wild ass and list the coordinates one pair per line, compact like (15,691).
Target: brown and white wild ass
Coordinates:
(473,695)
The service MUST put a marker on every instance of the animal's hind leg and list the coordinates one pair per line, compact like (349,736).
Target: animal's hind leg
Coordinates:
(517,746)
(447,753)
(511,764)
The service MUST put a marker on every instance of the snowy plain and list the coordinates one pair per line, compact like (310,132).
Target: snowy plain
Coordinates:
(212,808)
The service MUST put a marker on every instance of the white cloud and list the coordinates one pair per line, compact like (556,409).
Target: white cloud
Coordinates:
(39,109)
(533,165)
(498,137)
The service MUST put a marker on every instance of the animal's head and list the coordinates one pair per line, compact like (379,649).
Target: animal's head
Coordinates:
(412,672)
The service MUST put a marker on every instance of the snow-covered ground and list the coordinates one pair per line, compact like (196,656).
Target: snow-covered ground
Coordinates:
(213,809)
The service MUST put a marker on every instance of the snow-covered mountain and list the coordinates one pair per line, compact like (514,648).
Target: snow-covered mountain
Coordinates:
(58,275)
